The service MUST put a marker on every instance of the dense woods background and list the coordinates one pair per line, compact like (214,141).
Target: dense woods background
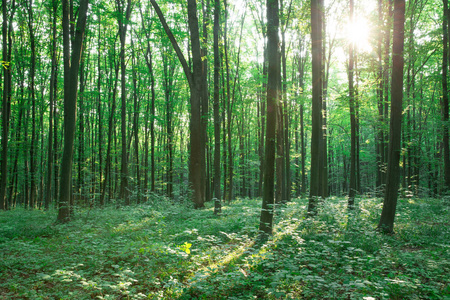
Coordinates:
(135,120)
(168,96)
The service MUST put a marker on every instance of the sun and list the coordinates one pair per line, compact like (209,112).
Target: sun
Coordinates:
(358,33)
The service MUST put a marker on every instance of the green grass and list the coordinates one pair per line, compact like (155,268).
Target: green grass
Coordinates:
(170,251)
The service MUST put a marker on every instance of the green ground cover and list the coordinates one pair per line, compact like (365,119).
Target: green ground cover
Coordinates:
(164,250)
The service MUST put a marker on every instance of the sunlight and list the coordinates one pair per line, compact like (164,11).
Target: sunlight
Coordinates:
(359,33)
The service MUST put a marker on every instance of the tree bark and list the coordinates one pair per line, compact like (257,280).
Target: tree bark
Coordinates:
(217,121)
(71,67)
(33,188)
(124,193)
(53,86)
(444,103)
(386,223)
(6,101)
(266,218)
(353,135)
(198,92)
(316,131)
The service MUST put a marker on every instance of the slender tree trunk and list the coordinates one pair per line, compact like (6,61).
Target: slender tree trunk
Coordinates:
(18,138)
(71,67)
(6,102)
(152,114)
(55,142)
(99,107)
(386,84)
(267,210)
(229,191)
(31,87)
(81,131)
(205,91)
(124,193)
(216,108)
(380,97)
(445,106)
(136,125)
(169,73)
(353,136)
(111,131)
(386,223)
(316,133)
(53,86)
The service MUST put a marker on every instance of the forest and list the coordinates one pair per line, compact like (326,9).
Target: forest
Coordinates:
(225,149)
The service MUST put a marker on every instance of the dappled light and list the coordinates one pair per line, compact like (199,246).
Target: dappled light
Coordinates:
(225,149)
(142,252)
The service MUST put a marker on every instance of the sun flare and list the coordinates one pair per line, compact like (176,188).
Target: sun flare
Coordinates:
(358,33)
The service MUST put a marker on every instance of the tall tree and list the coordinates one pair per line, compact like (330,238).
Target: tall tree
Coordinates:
(317,10)
(380,97)
(266,219)
(217,121)
(352,102)
(53,86)
(6,101)
(198,92)
(444,104)
(123,20)
(386,223)
(31,87)
(71,66)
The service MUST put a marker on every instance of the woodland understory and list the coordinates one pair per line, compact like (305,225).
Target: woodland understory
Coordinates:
(167,250)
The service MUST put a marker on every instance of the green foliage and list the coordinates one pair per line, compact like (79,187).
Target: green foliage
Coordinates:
(169,251)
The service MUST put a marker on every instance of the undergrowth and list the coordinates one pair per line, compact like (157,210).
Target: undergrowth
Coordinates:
(167,250)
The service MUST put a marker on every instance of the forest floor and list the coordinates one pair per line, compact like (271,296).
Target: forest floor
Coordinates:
(163,250)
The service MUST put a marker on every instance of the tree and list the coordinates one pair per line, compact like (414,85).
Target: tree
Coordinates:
(216,108)
(123,24)
(53,87)
(6,101)
(445,108)
(198,92)
(386,223)
(317,10)
(266,218)
(352,101)
(71,66)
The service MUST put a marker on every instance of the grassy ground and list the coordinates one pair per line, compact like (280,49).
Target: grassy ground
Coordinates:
(170,251)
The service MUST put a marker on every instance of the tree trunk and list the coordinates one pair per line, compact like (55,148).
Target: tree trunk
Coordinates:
(6,102)
(169,73)
(53,86)
(136,125)
(198,92)
(230,171)
(217,121)
(31,88)
(380,97)
(445,111)
(124,193)
(99,107)
(386,223)
(111,131)
(71,67)
(267,210)
(352,102)
(150,110)
(316,131)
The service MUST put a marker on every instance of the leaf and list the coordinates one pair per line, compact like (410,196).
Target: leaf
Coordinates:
(185,247)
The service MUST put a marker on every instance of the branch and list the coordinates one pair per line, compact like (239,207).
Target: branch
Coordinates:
(186,69)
